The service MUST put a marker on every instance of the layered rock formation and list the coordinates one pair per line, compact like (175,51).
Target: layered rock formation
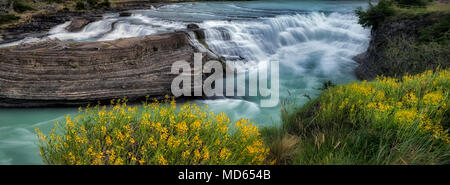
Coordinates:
(56,73)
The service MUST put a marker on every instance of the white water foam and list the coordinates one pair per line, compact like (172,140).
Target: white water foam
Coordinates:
(311,48)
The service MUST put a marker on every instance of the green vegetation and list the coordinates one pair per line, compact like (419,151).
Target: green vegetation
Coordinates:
(386,9)
(54,1)
(376,14)
(412,3)
(156,133)
(399,119)
(409,40)
(92,4)
(8,18)
(22,6)
(438,32)
(80,6)
(405,55)
(386,121)
(104,4)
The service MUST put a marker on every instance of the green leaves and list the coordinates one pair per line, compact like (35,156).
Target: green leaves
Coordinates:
(376,14)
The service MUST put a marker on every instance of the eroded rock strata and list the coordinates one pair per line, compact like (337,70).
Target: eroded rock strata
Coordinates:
(64,73)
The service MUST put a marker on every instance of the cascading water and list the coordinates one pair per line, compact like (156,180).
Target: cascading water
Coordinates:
(271,37)
(311,48)
(313,41)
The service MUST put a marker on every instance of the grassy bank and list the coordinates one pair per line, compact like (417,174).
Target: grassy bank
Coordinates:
(8,18)
(385,121)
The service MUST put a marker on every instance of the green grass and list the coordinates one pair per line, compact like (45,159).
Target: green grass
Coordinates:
(22,6)
(430,8)
(438,32)
(384,10)
(375,14)
(385,121)
(8,18)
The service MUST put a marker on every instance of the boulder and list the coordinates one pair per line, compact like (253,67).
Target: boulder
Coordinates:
(199,33)
(192,26)
(78,24)
(124,14)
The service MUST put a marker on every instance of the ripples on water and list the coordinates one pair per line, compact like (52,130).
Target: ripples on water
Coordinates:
(314,41)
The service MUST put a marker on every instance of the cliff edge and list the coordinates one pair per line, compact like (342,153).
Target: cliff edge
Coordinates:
(407,43)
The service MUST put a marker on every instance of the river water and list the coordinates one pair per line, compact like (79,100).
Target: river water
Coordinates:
(314,42)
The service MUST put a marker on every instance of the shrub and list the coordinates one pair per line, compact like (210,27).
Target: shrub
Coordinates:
(80,6)
(92,3)
(20,7)
(54,1)
(8,18)
(411,3)
(386,121)
(156,133)
(419,100)
(437,32)
(404,55)
(376,14)
(104,4)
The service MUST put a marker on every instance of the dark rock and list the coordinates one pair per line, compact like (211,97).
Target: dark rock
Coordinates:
(37,26)
(124,14)
(192,26)
(200,34)
(78,24)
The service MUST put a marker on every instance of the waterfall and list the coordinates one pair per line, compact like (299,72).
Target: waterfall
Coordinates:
(311,48)
(265,37)
(314,41)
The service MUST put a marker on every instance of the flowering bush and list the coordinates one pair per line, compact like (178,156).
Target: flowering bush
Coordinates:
(413,101)
(385,121)
(155,133)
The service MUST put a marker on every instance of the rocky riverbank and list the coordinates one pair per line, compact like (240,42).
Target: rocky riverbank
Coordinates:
(40,23)
(66,73)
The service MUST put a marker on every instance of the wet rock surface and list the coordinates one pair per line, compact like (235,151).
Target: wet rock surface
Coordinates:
(198,32)
(38,25)
(125,14)
(77,24)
